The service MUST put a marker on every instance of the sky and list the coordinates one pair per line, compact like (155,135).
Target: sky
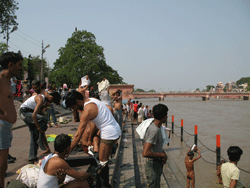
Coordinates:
(165,45)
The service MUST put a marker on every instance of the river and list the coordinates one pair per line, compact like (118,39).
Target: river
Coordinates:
(225,117)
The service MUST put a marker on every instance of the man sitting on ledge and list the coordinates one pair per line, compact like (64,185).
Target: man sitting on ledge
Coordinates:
(54,166)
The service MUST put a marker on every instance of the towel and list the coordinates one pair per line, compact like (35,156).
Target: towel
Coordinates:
(85,81)
(103,85)
(142,128)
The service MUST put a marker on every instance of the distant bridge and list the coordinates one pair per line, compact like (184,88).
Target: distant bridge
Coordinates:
(203,95)
(127,92)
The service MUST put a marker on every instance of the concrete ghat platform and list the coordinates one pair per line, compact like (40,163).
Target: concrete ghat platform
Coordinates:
(174,170)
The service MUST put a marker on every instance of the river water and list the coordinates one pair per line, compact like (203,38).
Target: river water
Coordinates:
(225,117)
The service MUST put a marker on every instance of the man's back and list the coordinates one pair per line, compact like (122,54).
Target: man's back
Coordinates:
(49,167)
(136,108)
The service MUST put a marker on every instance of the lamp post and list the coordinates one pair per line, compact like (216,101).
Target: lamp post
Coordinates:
(43,51)
(8,35)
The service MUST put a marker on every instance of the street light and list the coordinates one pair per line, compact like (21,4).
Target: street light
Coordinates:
(43,51)
(8,33)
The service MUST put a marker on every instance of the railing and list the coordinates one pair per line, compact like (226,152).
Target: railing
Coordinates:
(196,140)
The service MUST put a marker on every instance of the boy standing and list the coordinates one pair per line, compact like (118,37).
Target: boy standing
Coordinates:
(229,171)
(152,149)
(189,162)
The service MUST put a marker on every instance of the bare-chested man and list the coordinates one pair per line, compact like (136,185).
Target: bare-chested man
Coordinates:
(105,98)
(189,162)
(12,64)
(128,106)
(117,97)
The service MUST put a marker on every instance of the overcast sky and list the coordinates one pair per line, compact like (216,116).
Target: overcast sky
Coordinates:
(161,44)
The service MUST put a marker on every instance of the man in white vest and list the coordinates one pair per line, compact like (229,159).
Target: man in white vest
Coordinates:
(96,111)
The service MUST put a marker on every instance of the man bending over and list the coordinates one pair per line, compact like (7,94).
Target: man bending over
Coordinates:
(100,115)
(54,166)
(31,113)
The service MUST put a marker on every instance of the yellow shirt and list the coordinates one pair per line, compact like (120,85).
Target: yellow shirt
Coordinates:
(229,171)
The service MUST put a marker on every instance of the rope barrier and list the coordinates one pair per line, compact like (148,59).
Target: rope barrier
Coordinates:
(186,144)
(188,133)
(177,135)
(204,146)
(208,161)
(244,170)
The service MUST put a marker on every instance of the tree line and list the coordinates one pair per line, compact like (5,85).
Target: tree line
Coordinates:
(80,56)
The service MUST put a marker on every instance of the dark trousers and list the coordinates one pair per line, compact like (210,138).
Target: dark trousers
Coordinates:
(26,116)
(153,170)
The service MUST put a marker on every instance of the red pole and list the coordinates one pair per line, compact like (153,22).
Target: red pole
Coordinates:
(181,130)
(218,158)
(172,123)
(195,134)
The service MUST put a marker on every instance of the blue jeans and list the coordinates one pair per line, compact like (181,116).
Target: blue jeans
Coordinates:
(51,112)
(26,116)
(13,88)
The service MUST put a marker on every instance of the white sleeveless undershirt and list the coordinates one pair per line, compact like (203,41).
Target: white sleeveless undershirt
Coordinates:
(31,103)
(105,121)
(45,180)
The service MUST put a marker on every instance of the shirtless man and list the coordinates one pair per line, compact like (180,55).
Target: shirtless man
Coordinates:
(118,106)
(98,112)
(12,64)
(189,162)
(54,166)
(105,98)
(128,106)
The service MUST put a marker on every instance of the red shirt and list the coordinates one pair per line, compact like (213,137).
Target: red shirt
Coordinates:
(136,108)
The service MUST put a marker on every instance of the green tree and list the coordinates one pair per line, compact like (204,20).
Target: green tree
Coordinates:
(139,90)
(82,56)
(244,80)
(30,69)
(8,18)
(209,87)
(3,47)
(152,90)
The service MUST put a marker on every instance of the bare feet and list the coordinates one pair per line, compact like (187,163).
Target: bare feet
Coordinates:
(57,126)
